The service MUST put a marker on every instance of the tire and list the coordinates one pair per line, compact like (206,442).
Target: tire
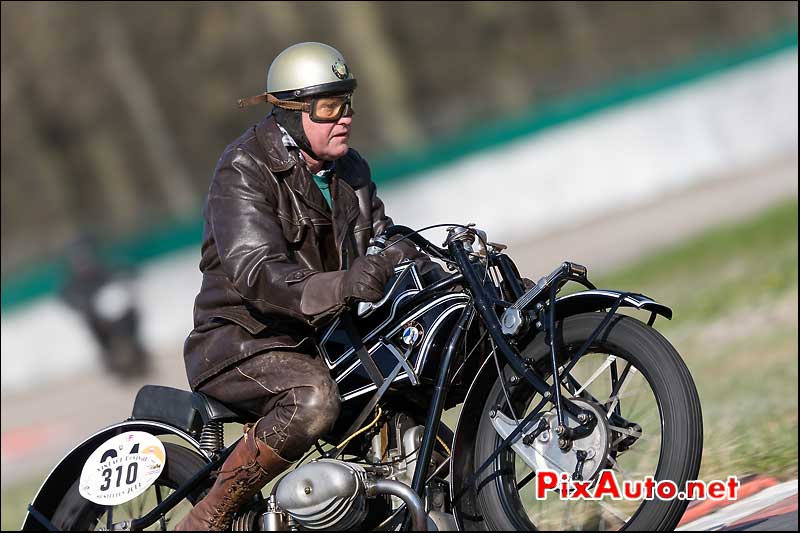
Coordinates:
(75,513)
(498,500)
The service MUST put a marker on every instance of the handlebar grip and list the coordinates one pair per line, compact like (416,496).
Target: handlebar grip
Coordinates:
(376,245)
(574,269)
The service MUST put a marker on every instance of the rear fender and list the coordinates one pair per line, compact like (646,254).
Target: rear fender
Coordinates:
(69,468)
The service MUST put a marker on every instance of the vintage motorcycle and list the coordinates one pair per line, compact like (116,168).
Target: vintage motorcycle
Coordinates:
(545,381)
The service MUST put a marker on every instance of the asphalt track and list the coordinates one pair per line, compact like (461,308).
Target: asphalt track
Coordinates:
(40,425)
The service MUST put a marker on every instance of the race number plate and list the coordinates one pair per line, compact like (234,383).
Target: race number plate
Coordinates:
(122,468)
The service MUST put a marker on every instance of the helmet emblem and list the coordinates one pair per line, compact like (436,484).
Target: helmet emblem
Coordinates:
(340,69)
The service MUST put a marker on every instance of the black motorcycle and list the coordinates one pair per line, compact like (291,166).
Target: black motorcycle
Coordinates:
(545,381)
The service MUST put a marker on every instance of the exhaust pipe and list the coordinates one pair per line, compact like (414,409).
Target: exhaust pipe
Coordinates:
(419,521)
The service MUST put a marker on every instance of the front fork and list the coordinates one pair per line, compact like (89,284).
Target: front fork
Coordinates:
(550,394)
(485,306)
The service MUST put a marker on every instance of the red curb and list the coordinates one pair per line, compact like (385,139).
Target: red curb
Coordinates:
(22,441)
(699,509)
(786,506)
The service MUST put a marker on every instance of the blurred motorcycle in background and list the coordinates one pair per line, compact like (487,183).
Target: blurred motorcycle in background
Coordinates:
(105,300)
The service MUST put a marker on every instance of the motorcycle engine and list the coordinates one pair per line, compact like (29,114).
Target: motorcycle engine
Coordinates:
(325,494)
(329,494)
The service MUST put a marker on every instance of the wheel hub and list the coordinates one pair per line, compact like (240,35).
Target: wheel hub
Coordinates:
(545,451)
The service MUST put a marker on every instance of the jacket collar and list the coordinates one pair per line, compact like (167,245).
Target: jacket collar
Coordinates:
(269,136)
(280,159)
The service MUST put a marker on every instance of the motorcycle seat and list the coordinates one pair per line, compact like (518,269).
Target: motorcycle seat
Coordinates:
(214,410)
(168,405)
(183,409)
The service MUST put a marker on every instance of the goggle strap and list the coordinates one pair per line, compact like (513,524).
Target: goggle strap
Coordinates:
(286,104)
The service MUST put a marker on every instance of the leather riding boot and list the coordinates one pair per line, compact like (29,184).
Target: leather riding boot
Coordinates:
(250,466)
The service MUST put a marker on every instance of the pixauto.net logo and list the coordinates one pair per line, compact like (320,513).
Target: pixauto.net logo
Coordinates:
(606,486)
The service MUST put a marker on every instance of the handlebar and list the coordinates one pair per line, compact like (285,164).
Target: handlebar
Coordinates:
(414,236)
(459,248)
(378,244)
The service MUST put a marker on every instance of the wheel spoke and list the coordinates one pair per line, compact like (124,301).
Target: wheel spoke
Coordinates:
(635,393)
(570,385)
(619,515)
(610,359)
(586,381)
(527,479)
(141,499)
(617,468)
(585,394)
(161,520)
(621,383)
(631,433)
(129,509)
(614,375)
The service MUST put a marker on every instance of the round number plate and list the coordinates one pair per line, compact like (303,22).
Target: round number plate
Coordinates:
(122,468)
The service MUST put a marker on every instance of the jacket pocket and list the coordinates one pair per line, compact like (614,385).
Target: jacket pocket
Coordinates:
(293,231)
(243,319)
(299,275)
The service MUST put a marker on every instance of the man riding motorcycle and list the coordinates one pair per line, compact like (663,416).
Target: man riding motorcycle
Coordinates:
(289,215)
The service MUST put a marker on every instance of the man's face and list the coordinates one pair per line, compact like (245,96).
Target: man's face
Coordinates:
(329,140)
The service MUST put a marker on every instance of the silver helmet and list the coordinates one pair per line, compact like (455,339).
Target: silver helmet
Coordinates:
(307,69)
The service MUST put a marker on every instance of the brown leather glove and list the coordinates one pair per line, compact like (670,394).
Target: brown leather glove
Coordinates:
(366,278)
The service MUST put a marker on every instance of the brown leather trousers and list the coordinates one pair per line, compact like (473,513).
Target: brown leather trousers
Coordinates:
(292,393)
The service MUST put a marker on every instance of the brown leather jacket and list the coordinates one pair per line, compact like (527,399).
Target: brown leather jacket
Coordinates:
(273,254)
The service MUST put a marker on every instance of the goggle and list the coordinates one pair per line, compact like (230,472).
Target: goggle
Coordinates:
(320,109)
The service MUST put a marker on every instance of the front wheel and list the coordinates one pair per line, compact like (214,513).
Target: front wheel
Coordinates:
(649,424)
